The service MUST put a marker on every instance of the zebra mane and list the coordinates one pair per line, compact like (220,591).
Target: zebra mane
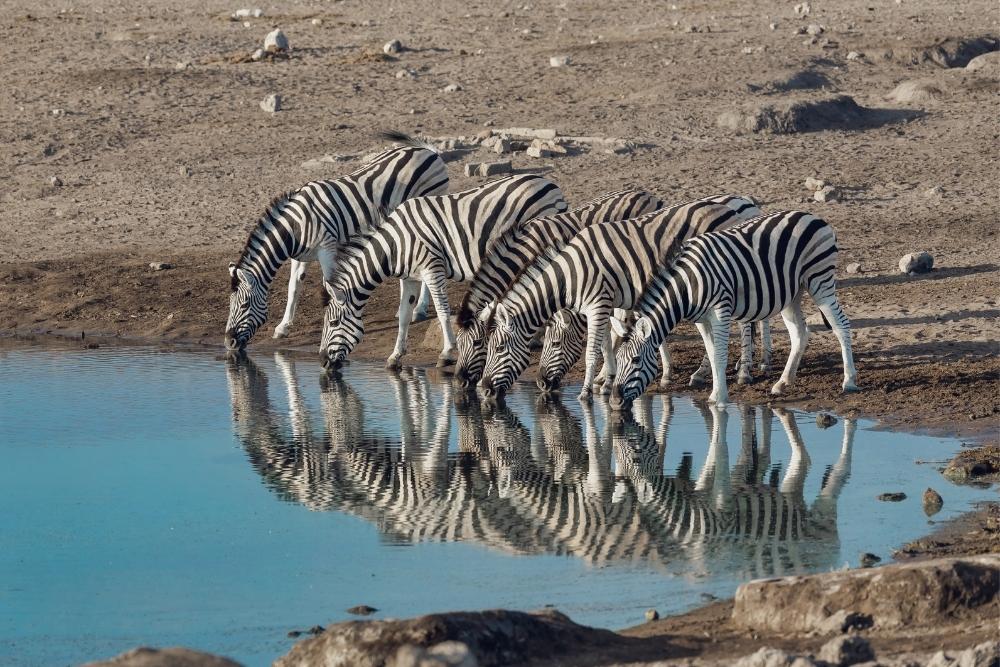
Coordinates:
(533,268)
(275,207)
(406,140)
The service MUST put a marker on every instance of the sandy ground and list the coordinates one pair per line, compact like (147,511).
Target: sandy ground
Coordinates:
(164,156)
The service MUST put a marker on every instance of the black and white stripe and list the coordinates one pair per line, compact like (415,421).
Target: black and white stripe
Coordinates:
(518,248)
(431,239)
(745,274)
(604,267)
(310,223)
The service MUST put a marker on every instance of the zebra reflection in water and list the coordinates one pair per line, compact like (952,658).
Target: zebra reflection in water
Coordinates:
(591,486)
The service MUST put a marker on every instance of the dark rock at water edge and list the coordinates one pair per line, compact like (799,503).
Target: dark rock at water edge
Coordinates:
(869,559)
(933,502)
(362,610)
(972,465)
(825,420)
(891,497)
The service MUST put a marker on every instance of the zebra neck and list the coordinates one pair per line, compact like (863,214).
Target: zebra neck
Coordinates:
(665,303)
(366,267)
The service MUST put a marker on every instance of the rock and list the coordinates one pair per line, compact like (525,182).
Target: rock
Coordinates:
(501,146)
(538,151)
(825,420)
(986,654)
(934,192)
(559,61)
(914,92)
(855,55)
(772,657)
(987,62)
(844,621)
(815,183)
(815,29)
(362,610)
(971,465)
(445,654)
(916,262)
(772,26)
(160,266)
(392,47)
(244,13)
(807,115)
(827,193)
(528,133)
(316,21)
(932,502)
(891,497)
(853,267)
(912,595)
(491,638)
(846,651)
(947,53)
(55,182)
(145,656)
(652,615)
(472,169)
(869,560)
(257,55)
(276,42)
(495,168)
(802,9)
(271,103)
(406,74)
(451,88)
(185,171)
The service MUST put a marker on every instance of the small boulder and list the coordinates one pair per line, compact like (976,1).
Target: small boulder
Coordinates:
(257,55)
(815,29)
(772,657)
(869,559)
(972,465)
(989,62)
(495,168)
(559,61)
(934,192)
(538,151)
(392,47)
(891,497)
(855,55)
(916,262)
(160,266)
(916,92)
(825,420)
(815,184)
(276,42)
(827,193)
(271,103)
(853,267)
(933,502)
(406,74)
(846,651)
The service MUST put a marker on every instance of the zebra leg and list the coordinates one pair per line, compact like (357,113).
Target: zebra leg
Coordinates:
(798,335)
(704,372)
(598,344)
(842,330)
(765,345)
(423,303)
(295,279)
(745,365)
(667,367)
(716,330)
(798,464)
(408,290)
(435,281)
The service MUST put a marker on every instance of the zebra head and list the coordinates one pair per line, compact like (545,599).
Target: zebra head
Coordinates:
(637,364)
(342,327)
(471,342)
(507,353)
(564,340)
(247,307)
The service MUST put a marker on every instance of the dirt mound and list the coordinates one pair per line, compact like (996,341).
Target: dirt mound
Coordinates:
(802,79)
(988,63)
(919,91)
(839,112)
(948,52)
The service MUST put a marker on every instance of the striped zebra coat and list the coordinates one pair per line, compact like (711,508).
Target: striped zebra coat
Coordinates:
(310,224)
(430,239)
(604,267)
(745,274)
(518,248)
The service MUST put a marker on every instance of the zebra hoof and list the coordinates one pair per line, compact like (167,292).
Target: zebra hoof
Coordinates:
(418,317)
(850,388)
(696,381)
(280,332)
(744,379)
(393,363)
(779,388)
(664,385)
(586,395)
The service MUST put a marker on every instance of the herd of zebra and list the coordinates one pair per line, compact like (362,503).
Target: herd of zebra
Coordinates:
(608,280)
(552,483)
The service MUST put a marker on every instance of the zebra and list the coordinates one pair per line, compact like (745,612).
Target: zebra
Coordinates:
(519,247)
(604,267)
(745,274)
(434,239)
(310,223)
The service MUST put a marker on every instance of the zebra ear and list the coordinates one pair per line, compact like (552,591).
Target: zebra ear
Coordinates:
(232,269)
(643,327)
(559,319)
(335,294)
(487,312)
(618,327)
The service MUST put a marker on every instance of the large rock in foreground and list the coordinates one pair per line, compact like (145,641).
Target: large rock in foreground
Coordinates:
(920,594)
(496,637)
(164,657)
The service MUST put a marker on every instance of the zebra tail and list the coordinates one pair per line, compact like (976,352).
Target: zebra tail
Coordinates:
(406,140)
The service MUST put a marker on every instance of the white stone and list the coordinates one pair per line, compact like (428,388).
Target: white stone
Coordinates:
(405,74)
(827,193)
(559,61)
(802,9)
(853,267)
(916,262)
(854,55)
(814,183)
(276,41)
(815,29)
(846,650)
(55,182)
(392,47)
(451,88)
(317,22)
(772,26)
(538,151)
(257,55)
(494,168)
(271,103)
(185,171)
(160,266)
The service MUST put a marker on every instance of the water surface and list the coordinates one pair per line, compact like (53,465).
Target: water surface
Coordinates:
(169,498)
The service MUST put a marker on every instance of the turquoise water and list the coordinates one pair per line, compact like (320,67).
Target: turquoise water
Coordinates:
(154,497)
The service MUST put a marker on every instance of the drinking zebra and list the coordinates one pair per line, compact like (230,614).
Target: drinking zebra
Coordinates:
(433,239)
(518,248)
(744,274)
(310,223)
(605,266)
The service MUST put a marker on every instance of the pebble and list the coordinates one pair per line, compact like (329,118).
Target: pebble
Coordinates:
(652,615)
(868,559)
(892,497)
(244,13)
(802,9)
(185,171)
(827,193)
(559,61)
(451,88)
(854,55)
(271,103)
(362,610)
(815,183)
(317,22)
(392,47)
(275,41)
(160,266)
(406,74)
(933,502)
(853,267)
(538,152)
(815,29)
(848,650)
(55,182)
(487,168)
(935,191)
(772,26)
(257,55)
(916,263)
(825,420)
(316,630)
